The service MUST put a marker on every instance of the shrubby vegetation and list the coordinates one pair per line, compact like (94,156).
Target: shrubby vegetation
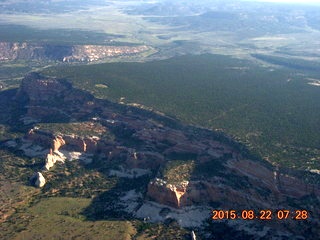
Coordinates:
(294,63)
(176,171)
(274,118)
(82,129)
(20,33)
(272,111)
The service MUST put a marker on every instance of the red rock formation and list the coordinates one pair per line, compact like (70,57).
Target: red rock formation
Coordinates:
(75,143)
(161,192)
(144,160)
(200,192)
(264,187)
(92,144)
(54,155)
(276,188)
(295,188)
(278,183)
(71,142)
(40,137)
(46,88)
(255,171)
(57,142)
(76,53)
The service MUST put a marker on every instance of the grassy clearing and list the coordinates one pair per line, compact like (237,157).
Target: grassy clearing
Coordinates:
(20,33)
(60,218)
(14,189)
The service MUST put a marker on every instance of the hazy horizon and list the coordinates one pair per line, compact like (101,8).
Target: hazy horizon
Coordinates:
(313,2)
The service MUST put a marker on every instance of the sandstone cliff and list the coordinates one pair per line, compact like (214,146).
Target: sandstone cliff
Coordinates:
(209,168)
(252,185)
(64,53)
(168,194)
(54,155)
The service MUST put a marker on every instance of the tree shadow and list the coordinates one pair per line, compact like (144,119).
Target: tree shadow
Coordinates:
(106,206)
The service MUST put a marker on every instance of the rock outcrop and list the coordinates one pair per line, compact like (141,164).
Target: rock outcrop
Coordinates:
(38,180)
(168,194)
(52,100)
(46,90)
(193,236)
(47,139)
(158,143)
(70,142)
(138,143)
(64,53)
(255,188)
(57,142)
(52,158)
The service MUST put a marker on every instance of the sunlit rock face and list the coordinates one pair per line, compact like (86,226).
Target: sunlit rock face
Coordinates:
(38,180)
(251,184)
(52,158)
(167,194)
(32,51)
(64,53)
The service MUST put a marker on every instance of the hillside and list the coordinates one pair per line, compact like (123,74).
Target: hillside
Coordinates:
(127,160)
(273,110)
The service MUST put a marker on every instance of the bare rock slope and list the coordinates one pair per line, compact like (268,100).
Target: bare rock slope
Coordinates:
(64,53)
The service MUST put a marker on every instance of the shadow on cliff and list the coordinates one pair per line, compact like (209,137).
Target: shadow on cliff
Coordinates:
(56,101)
(9,109)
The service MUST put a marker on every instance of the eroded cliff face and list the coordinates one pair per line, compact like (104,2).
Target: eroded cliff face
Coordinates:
(242,182)
(38,89)
(45,98)
(68,142)
(91,53)
(54,155)
(233,173)
(262,191)
(57,142)
(64,53)
(188,166)
(31,51)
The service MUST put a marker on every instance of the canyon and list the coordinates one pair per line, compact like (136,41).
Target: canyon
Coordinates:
(11,51)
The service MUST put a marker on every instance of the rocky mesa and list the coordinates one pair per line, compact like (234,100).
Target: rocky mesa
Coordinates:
(217,162)
(64,53)
(186,165)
